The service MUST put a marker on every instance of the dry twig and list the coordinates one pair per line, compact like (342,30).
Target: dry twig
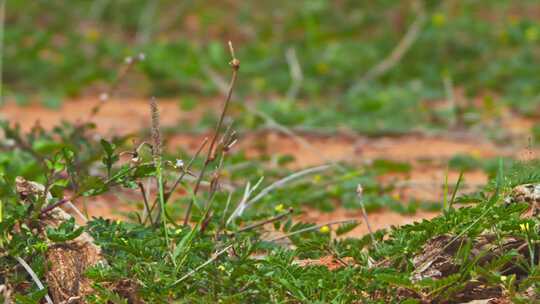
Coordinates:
(34,277)
(210,260)
(277,184)
(397,53)
(235,65)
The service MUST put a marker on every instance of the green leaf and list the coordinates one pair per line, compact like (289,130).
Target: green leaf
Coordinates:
(108,147)
(31,298)
(396,279)
(346,227)
(182,248)
(92,185)
(46,146)
(65,232)
(110,157)
(144,171)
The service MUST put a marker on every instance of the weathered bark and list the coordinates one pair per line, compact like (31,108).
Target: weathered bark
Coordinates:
(437,259)
(67,261)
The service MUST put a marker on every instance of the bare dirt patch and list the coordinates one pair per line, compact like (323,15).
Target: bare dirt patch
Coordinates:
(427,155)
(378,220)
(117,116)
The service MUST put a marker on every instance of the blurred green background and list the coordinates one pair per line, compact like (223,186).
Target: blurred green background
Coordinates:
(307,63)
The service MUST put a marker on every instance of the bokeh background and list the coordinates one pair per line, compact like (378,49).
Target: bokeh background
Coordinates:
(487,51)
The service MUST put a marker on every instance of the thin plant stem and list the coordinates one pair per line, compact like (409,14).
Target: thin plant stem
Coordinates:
(295,71)
(146,205)
(360,195)
(158,163)
(130,61)
(268,221)
(57,204)
(456,188)
(162,201)
(395,56)
(366,219)
(275,185)
(186,170)
(34,277)
(272,124)
(210,260)
(222,225)
(214,185)
(235,64)
(77,211)
(109,183)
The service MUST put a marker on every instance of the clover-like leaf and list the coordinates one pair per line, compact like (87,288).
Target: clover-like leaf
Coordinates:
(64,232)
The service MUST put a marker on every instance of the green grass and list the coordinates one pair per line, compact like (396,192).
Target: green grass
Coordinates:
(174,262)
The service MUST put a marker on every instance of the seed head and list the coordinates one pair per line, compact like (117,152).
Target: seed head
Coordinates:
(359,191)
(156,135)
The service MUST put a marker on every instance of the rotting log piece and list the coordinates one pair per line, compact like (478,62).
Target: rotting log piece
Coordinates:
(438,258)
(68,261)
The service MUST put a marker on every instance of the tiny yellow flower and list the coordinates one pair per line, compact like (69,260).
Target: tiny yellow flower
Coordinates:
(396,196)
(324,229)
(504,278)
(504,37)
(322,68)
(532,34)
(259,83)
(92,34)
(513,20)
(438,19)
(524,227)
(279,208)
(221,268)
(475,153)
(178,231)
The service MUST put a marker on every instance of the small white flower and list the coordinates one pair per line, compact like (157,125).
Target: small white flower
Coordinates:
(360,191)
(179,163)
(141,56)
(103,96)
(128,60)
